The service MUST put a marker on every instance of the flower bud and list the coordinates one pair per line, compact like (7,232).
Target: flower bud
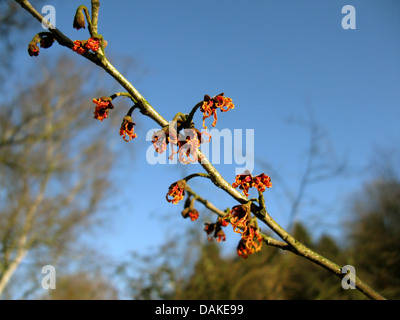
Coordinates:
(46,40)
(79,20)
(33,49)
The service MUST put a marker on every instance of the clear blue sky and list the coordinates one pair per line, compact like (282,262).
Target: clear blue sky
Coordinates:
(275,59)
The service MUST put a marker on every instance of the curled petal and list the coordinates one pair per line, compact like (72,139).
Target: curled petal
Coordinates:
(239,217)
(244,182)
(103,105)
(176,191)
(127,129)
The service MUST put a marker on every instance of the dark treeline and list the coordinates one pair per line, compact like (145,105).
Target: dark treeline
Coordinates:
(372,247)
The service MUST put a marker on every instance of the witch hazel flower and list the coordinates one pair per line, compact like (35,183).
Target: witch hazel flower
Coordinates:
(93,44)
(215,231)
(185,143)
(190,212)
(162,138)
(250,242)
(245,181)
(127,129)
(80,46)
(176,191)
(83,46)
(210,106)
(188,145)
(239,217)
(103,105)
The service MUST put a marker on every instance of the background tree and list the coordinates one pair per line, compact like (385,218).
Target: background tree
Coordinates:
(54,169)
(375,234)
(83,286)
(373,249)
(12,25)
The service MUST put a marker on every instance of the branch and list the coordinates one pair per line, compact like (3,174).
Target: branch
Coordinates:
(303,251)
(95,17)
(268,240)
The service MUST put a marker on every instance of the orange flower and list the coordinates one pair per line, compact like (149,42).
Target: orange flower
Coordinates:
(188,146)
(219,234)
(161,138)
(239,217)
(244,182)
(190,212)
(93,44)
(210,106)
(103,104)
(187,142)
(247,245)
(261,182)
(80,46)
(249,236)
(176,191)
(223,221)
(217,231)
(209,228)
(127,129)
(160,141)
(242,250)
(221,102)
(208,110)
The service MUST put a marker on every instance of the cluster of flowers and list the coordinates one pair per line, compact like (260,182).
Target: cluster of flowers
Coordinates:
(239,217)
(83,46)
(214,230)
(210,106)
(245,181)
(176,193)
(187,142)
(103,105)
(242,222)
(187,139)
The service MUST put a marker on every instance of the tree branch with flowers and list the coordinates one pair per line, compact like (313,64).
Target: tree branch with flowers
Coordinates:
(184,139)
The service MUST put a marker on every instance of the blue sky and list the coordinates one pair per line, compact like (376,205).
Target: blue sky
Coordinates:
(276,60)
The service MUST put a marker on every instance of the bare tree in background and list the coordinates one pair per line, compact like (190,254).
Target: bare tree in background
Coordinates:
(83,286)
(319,164)
(12,24)
(53,169)
(374,224)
